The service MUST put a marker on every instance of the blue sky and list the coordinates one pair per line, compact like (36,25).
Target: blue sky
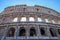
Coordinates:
(53,4)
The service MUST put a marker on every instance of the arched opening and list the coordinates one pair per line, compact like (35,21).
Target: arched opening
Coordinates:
(53,21)
(59,31)
(42,31)
(23,18)
(15,19)
(32,31)
(39,19)
(22,31)
(46,20)
(11,32)
(31,18)
(53,32)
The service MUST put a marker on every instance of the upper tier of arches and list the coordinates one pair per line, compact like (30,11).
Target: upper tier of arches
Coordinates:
(25,13)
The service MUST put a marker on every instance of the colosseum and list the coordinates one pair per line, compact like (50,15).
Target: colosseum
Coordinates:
(22,22)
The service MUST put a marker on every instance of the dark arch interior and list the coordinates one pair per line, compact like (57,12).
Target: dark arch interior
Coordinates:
(59,31)
(42,31)
(32,32)
(11,32)
(52,31)
(22,31)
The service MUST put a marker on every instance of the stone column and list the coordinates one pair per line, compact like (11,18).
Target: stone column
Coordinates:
(48,32)
(56,30)
(16,32)
(5,33)
(43,18)
(18,29)
(27,18)
(27,32)
(36,18)
(50,19)
(38,31)
(19,18)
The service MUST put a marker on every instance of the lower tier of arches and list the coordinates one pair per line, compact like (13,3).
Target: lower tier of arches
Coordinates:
(31,32)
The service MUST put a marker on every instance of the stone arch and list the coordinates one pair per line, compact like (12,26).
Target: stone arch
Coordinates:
(22,31)
(32,31)
(52,32)
(11,32)
(42,30)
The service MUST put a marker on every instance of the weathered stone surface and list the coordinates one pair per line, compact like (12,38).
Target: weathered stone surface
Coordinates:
(40,30)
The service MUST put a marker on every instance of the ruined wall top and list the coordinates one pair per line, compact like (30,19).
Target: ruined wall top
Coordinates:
(25,8)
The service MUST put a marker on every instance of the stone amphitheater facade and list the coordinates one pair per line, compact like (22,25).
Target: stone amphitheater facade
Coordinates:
(22,22)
